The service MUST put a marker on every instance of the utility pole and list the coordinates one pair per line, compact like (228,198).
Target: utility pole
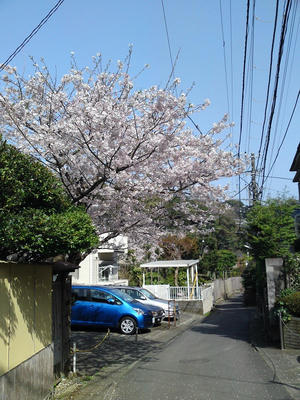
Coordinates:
(253,189)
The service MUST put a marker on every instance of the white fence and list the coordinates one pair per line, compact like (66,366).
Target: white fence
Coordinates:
(185,293)
(179,292)
(219,289)
(161,291)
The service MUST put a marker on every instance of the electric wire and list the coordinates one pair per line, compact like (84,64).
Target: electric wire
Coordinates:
(239,193)
(243,90)
(244,76)
(285,89)
(275,88)
(269,83)
(167,34)
(274,97)
(232,115)
(250,78)
(231,61)
(30,36)
(284,136)
(171,59)
(224,56)
(273,140)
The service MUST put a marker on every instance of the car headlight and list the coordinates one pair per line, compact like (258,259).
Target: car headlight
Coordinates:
(139,311)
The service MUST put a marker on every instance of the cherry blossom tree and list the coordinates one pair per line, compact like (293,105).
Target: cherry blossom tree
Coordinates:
(128,155)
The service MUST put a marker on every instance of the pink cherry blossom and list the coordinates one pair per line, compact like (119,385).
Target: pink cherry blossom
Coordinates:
(128,156)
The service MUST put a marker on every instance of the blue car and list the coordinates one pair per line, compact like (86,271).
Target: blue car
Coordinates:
(109,307)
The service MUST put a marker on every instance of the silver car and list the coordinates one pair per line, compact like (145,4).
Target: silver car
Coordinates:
(146,297)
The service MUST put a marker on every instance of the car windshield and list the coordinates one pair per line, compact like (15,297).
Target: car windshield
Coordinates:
(148,294)
(122,295)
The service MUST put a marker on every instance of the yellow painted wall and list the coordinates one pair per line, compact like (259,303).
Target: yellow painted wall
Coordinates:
(5,306)
(43,313)
(26,303)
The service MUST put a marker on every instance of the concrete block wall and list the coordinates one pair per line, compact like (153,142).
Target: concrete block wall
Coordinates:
(202,307)
(192,306)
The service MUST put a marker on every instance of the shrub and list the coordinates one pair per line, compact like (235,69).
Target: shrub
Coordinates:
(37,219)
(292,302)
(285,304)
(249,277)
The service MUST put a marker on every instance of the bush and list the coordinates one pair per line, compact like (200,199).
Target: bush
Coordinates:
(37,219)
(292,302)
(249,277)
(286,304)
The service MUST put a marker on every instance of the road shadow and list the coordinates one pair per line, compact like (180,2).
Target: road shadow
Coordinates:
(117,350)
(231,319)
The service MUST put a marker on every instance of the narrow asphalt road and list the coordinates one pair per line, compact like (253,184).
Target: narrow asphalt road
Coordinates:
(213,360)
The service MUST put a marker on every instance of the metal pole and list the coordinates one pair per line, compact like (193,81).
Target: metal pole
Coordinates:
(281,332)
(74,357)
(225,294)
(174,314)
(197,282)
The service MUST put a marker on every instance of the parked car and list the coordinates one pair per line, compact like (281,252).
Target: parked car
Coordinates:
(103,306)
(144,296)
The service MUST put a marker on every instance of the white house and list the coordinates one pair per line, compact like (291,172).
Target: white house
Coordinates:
(101,266)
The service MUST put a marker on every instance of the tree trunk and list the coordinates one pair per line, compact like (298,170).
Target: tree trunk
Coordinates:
(176,276)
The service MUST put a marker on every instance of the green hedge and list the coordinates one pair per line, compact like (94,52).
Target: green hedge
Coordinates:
(292,303)
(37,218)
(288,304)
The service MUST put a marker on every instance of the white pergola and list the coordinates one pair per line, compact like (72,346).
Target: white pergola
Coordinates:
(190,265)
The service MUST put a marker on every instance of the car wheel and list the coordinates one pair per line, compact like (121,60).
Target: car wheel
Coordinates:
(127,325)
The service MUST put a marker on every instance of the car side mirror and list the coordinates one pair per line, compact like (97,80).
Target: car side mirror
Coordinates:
(111,301)
(143,298)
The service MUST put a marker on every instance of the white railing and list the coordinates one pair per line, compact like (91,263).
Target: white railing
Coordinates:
(185,293)
(161,291)
(181,292)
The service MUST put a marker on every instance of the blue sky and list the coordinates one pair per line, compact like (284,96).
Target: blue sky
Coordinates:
(195,28)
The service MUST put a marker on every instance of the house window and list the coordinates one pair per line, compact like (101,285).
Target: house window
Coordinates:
(104,273)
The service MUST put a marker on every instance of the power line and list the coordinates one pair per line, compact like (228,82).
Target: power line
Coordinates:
(224,54)
(285,89)
(167,34)
(244,75)
(243,87)
(239,192)
(273,105)
(171,59)
(231,61)
(250,79)
(269,83)
(30,36)
(285,134)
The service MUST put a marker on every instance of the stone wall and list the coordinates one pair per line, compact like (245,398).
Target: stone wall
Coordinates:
(226,288)
(219,290)
(192,306)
